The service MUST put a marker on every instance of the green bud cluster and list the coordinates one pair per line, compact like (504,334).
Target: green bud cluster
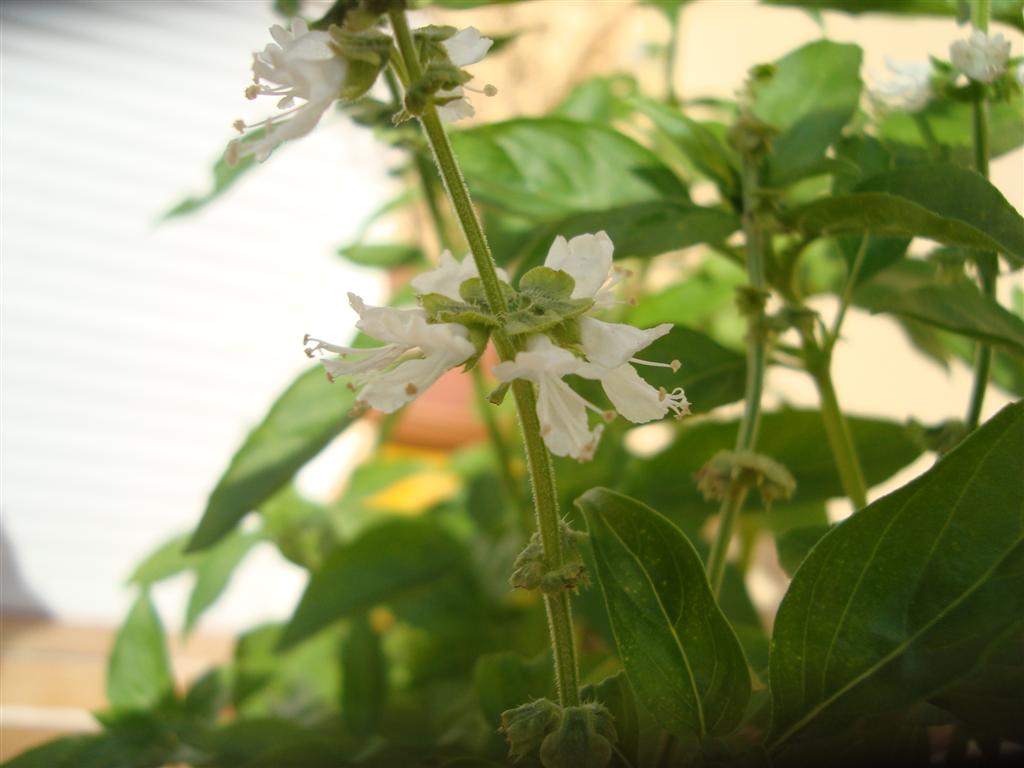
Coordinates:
(570,737)
(728,471)
(530,570)
(367,53)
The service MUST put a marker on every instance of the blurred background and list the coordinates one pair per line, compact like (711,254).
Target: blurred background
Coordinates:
(137,351)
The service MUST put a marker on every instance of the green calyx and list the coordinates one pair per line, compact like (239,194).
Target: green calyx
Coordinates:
(730,471)
(530,570)
(367,53)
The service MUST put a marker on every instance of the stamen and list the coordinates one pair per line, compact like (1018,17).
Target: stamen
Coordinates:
(411,389)
(239,125)
(675,365)
(253,91)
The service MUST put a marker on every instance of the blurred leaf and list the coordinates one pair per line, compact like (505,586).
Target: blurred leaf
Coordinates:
(302,684)
(902,598)
(272,742)
(207,696)
(710,374)
(287,8)
(812,94)
(738,608)
(138,671)
(638,231)
(703,147)
(599,100)
(677,647)
(944,203)
(794,438)
(364,679)
(304,419)
(950,123)
(169,559)
(506,680)
(224,177)
(549,168)
(382,256)
(302,529)
(394,562)
(213,572)
(1006,11)
(795,544)
(62,753)
(960,308)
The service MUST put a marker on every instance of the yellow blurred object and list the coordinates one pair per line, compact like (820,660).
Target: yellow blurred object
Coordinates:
(412,495)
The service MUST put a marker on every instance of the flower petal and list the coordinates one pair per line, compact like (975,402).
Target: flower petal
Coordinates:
(586,258)
(563,420)
(613,344)
(467,46)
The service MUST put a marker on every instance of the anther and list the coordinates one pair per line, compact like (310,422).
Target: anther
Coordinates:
(662,394)
(252,92)
(675,365)
(410,389)
(239,125)
(609,416)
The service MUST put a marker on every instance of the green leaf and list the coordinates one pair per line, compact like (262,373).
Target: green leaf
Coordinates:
(398,562)
(1006,11)
(139,672)
(680,654)
(169,559)
(304,419)
(903,598)
(960,308)
(364,683)
(599,100)
(549,168)
(381,256)
(62,753)
(703,146)
(710,374)
(944,203)
(794,544)
(951,125)
(638,231)
(224,177)
(794,438)
(213,572)
(810,97)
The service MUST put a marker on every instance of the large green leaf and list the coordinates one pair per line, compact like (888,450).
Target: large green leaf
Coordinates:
(812,93)
(139,672)
(951,126)
(304,419)
(364,679)
(549,168)
(945,203)
(638,231)
(903,598)
(398,562)
(599,99)
(795,438)
(960,308)
(679,651)
(1006,11)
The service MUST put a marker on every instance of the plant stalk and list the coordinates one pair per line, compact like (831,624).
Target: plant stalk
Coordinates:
(987,262)
(538,460)
(840,438)
(758,241)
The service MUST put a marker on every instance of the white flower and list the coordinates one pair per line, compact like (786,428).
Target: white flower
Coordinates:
(465,47)
(300,64)
(562,412)
(422,351)
(587,259)
(449,275)
(611,347)
(909,89)
(980,57)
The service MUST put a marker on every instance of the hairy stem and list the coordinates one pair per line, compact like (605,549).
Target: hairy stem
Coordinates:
(758,242)
(840,439)
(538,460)
(987,262)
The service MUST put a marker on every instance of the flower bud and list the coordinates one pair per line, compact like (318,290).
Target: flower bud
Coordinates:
(526,726)
(583,739)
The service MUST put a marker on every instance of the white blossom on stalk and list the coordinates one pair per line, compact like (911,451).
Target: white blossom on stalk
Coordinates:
(414,355)
(981,57)
(562,411)
(448,276)
(299,64)
(587,259)
(465,47)
(909,88)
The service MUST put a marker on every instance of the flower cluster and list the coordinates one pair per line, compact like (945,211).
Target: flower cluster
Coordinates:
(908,88)
(419,348)
(320,67)
(981,57)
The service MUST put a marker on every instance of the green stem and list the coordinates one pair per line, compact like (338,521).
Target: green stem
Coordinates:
(987,262)
(837,429)
(848,287)
(935,152)
(502,457)
(538,460)
(758,243)
(671,54)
